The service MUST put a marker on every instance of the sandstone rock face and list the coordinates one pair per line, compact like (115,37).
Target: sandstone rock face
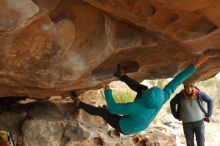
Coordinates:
(53,46)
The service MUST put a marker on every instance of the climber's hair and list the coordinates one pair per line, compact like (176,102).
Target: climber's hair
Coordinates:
(194,93)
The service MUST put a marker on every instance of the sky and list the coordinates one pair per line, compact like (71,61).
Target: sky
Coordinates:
(218,75)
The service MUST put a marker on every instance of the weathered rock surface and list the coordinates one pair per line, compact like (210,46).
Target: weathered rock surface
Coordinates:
(47,123)
(49,47)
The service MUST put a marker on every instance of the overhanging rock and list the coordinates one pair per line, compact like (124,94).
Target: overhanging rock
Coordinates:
(50,47)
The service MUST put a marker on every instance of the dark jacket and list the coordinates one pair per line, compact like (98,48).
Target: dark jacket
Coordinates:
(175,104)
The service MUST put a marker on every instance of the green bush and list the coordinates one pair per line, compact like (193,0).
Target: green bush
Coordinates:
(121,96)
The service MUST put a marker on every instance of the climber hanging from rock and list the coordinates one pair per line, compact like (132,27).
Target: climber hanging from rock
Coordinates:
(130,118)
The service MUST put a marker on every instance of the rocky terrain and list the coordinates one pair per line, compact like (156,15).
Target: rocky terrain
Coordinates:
(51,123)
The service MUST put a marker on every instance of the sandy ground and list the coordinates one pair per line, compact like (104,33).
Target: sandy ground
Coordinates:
(212,134)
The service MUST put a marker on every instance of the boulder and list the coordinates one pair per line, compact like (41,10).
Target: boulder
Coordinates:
(53,46)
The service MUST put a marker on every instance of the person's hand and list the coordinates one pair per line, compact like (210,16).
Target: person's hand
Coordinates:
(203,58)
(104,84)
(206,119)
